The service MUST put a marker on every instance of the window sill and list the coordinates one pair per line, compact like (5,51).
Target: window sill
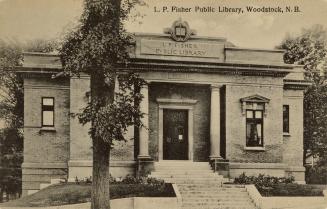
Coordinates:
(286,134)
(255,148)
(48,129)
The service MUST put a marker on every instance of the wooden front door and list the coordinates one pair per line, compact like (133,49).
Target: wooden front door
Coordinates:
(175,134)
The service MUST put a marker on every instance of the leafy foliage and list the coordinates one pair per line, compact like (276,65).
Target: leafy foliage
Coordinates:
(99,47)
(310,49)
(278,186)
(262,180)
(11,157)
(110,122)
(316,175)
(11,86)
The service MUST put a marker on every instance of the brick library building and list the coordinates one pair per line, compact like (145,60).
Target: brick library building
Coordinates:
(208,105)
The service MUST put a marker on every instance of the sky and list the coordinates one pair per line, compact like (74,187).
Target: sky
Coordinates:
(49,19)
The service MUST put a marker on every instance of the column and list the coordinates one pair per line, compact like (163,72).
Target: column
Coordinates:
(215,123)
(144,133)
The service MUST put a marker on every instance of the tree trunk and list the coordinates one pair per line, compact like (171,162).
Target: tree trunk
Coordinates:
(1,195)
(100,183)
(101,95)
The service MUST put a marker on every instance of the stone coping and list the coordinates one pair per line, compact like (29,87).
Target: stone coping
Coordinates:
(88,163)
(256,49)
(295,168)
(283,202)
(124,203)
(235,165)
(44,165)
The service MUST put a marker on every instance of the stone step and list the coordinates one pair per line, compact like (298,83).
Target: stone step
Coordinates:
(197,187)
(190,177)
(212,191)
(183,172)
(231,204)
(212,196)
(180,162)
(218,199)
(196,177)
(182,168)
(217,182)
(208,190)
(218,207)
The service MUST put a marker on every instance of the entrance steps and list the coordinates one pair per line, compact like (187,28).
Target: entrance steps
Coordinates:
(213,197)
(201,188)
(186,172)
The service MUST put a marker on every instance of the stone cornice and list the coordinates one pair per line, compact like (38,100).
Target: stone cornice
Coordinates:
(255,49)
(203,67)
(296,84)
(137,64)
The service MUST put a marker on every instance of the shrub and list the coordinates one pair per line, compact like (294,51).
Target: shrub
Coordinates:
(278,186)
(295,190)
(154,181)
(129,179)
(316,175)
(263,180)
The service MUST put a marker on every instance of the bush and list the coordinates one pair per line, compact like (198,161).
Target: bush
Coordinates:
(278,186)
(141,190)
(316,175)
(262,180)
(132,180)
(295,190)
(129,179)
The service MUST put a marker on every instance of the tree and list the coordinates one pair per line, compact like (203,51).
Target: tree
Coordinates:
(310,49)
(11,112)
(11,91)
(99,48)
(11,151)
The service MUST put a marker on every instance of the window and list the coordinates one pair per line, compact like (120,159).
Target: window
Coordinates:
(286,118)
(255,109)
(254,128)
(47,112)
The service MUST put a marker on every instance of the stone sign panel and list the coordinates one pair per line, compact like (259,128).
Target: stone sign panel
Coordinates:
(183,49)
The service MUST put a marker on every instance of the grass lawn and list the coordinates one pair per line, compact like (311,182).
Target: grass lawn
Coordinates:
(72,193)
